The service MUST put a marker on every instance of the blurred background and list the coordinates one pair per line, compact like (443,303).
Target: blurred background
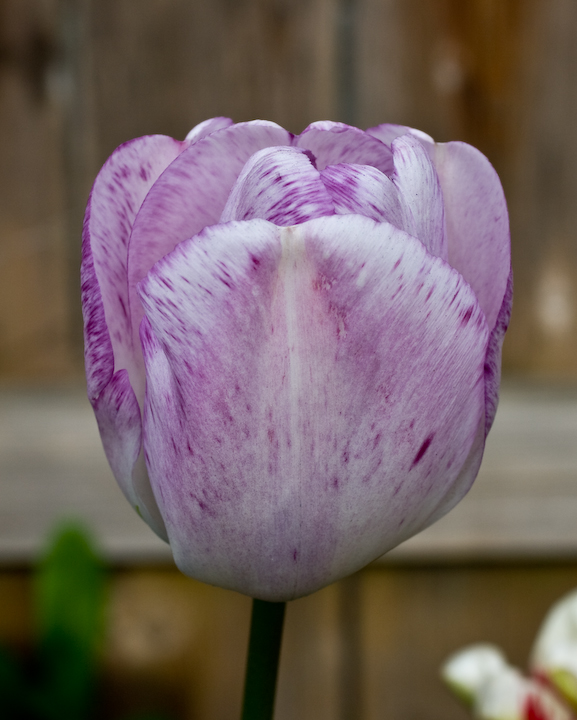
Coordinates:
(79,77)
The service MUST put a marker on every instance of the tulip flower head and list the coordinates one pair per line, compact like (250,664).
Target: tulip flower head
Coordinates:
(293,342)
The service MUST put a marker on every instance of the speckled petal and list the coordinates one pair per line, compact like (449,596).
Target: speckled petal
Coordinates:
(314,393)
(420,194)
(116,196)
(477,223)
(207,127)
(191,194)
(118,417)
(363,190)
(280,185)
(494,351)
(332,143)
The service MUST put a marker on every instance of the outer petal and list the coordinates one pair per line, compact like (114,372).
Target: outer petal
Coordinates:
(477,224)
(116,197)
(118,417)
(313,393)
(281,185)
(420,194)
(332,143)
(493,359)
(190,195)
(114,201)
(363,190)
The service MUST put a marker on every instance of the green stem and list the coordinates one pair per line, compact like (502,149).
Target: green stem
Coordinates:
(262,661)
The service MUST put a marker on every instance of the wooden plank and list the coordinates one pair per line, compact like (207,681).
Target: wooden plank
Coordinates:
(543,187)
(34,302)
(178,646)
(413,619)
(522,506)
(172,65)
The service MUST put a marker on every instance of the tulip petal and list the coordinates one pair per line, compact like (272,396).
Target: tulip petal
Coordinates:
(420,194)
(189,195)
(464,480)
(363,190)
(115,199)
(332,143)
(118,416)
(493,359)
(477,223)
(313,394)
(206,127)
(280,185)
(116,196)
(387,132)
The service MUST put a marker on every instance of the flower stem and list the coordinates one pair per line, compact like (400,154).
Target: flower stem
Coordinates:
(262,661)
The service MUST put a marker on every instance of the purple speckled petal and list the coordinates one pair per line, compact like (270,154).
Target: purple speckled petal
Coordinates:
(477,223)
(420,194)
(189,195)
(387,132)
(464,479)
(114,201)
(332,143)
(118,417)
(281,185)
(207,127)
(313,395)
(116,197)
(363,190)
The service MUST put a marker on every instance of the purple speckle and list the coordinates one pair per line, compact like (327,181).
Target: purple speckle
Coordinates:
(295,555)
(467,315)
(422,450)
(311,157)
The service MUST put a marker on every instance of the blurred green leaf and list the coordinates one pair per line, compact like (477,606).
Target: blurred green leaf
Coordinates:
(70,598)
(12,685)
(70,588)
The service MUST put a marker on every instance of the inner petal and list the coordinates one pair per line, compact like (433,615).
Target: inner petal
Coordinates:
(333,142)
(363,190)
(420,194)
(279,184)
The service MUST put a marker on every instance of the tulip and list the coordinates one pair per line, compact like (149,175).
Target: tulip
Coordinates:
(293,342)
(495,690)
(554,654)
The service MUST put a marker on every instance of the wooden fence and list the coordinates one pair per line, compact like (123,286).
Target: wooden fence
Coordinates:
(78,77)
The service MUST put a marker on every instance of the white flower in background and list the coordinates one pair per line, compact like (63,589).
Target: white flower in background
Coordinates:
(554,655)
(494,690)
